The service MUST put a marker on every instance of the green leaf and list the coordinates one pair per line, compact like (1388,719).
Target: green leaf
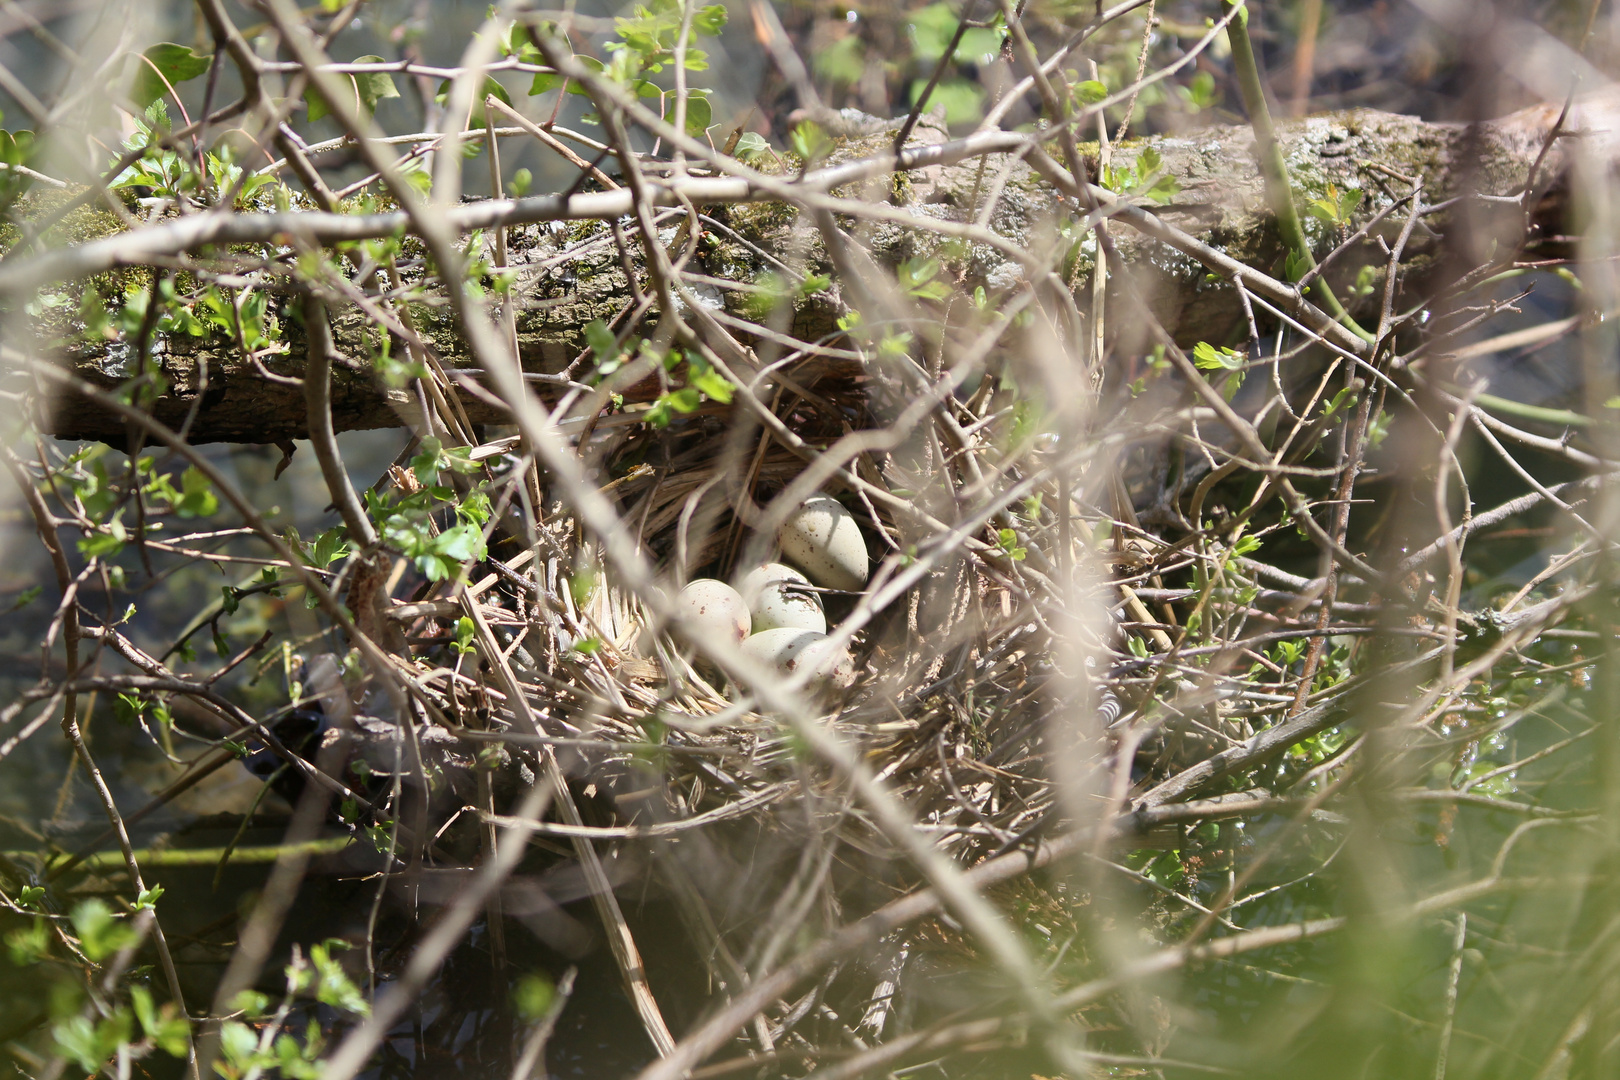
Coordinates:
(809,141)
(752,145)
(27,945)
(532,996)
(425,465)
(103,545)
(167,1030)
(917,277)
(330,546)
(100,933)
(464,634)
(1007,540)
(1199,94)
(165,61)
(1207,357)
(1366,281)
(841,62)
(962,99)
(89,1044)
(590,63)
(712,383)
(462,543)
(240,1045)
(709,20)
(1297,265)
(686,399)
(197,495)
(1348,203)
(606,354)
(252,1002)
(334,987)
(1346,396)
(491,88)
(1090,92)
(16,147)
(699,114)
(365,89)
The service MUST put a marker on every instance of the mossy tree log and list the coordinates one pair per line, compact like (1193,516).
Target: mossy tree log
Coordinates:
(573,269)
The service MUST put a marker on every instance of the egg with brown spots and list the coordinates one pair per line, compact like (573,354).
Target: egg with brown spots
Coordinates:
(779,596)
(713,611)
(822,538)
(788,651)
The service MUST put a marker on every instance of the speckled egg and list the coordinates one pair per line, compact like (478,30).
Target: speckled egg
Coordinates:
(823,539)
(789,651)
(713,610)
(779,597)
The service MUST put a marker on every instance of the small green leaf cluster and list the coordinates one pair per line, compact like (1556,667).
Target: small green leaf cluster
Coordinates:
(644,46)
(1157,365)
(408,524)
(1160,867)
(246,1050)
(890,341)
(90,1028)
(809,142)
(481,270)
(1335,207)
(702,382)
(328,548)
(919,279)
(609,355)
(1007,541)
(194,498)
(362,91)
(84,477)
(1209,358)
(171,174)
(1143,178)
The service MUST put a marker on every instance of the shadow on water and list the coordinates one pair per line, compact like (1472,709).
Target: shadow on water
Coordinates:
(466,1025)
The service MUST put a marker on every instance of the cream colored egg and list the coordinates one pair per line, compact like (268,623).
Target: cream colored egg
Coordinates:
(823,539)
(789,651)
(779,597)
(714,611)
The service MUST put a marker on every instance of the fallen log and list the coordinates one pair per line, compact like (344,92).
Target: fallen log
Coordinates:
(571,269)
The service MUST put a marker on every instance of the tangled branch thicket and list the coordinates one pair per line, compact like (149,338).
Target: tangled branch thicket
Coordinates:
(1221,679)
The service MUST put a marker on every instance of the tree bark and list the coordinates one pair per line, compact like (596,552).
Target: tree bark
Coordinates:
(572,271)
